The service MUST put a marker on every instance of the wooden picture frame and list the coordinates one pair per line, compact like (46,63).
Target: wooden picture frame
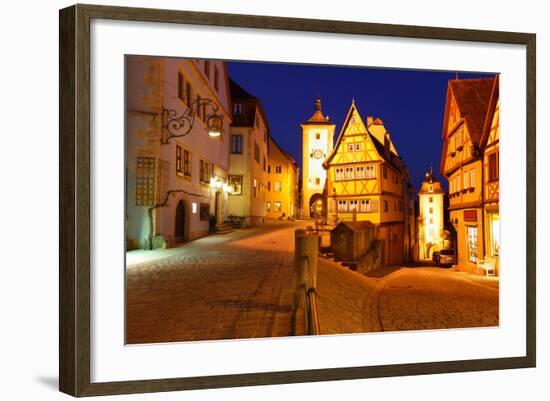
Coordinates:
(74,204)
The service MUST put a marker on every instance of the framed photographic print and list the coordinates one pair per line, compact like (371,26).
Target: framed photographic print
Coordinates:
(250,200)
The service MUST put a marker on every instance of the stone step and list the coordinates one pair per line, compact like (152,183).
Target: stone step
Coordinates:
(223,229)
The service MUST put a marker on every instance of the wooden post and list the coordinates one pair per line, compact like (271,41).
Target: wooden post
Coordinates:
(305,245)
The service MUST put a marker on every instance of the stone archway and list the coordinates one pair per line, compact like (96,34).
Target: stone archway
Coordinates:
(317,206)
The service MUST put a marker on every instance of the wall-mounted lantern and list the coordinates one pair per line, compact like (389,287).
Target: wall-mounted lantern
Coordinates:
(179,125)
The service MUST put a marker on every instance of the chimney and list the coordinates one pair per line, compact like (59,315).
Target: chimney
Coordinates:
(387,151)
(369,120)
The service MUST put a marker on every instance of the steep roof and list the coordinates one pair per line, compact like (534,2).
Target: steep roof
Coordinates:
(431,180)
(318,118)
(393,159)
(283,152)
(238,92)
(472,98)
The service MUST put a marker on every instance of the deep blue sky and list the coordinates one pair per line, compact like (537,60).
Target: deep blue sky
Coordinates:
(410,103)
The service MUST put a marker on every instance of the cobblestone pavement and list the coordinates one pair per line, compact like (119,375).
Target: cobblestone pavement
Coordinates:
(434,298)
(219,287)
(239,285)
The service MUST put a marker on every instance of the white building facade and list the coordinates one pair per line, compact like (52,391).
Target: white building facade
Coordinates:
(176,172)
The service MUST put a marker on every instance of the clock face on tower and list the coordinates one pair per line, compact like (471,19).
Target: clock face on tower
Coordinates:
(317,154)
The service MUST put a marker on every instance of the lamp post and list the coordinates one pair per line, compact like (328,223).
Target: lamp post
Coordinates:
(178,125)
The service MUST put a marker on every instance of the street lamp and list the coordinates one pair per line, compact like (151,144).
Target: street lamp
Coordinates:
(178,125)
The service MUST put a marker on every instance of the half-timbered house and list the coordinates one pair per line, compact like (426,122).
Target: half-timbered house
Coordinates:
(367,181)
(469,161)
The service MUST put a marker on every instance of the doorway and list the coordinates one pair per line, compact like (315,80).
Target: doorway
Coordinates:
(180,222)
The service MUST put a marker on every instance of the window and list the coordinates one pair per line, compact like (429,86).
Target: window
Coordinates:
(237,144)
(236,183)
(493,166)
(349,173)
(370,171)
(472,244)
(277,186)
(360,172)
(269,169)
(265,164)
(460,138)
(179,164)
(353,205)
(207,68)
(256,152)
(317,181)
(255,187)
(385,172)
(369,205)
(386,206)
(268,206)
(277,206)
(278,169)
(458,179)
(357,147)
(186,162)
(269,185)
(180,86)
(472,178)
(431,220)
(431,188)
(431,199)
(494,218)
(339,173)
(466,178)
(199,114)
(342,206)
(238,109)
(145,181)
(431,210)
(216,78)
(317,136)
(204,211)
(204,171)
(350,147)
(188,94)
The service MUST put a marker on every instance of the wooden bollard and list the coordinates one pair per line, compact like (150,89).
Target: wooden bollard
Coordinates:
(305,244)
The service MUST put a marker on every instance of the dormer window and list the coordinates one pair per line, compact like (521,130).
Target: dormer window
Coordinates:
(238,108)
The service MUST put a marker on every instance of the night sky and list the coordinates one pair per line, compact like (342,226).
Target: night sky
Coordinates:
(410,103)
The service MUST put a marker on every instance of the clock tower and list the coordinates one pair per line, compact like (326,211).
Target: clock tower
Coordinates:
(317,144)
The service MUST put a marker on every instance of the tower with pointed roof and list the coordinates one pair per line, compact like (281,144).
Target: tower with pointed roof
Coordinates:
(431,222)
(317,144)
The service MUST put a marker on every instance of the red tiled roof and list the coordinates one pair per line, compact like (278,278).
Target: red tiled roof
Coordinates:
(472,98)
(318,116)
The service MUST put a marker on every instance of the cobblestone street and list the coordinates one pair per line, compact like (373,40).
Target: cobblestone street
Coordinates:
(434,298)
(239,285)
(219,287)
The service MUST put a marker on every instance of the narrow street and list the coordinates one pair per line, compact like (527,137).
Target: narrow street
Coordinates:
(236,285)
(239,285)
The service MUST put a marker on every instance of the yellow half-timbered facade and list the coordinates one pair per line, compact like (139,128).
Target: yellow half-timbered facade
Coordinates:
(367,181)
(470,145)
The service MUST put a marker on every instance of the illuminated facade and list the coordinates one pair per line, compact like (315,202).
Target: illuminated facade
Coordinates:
(174,185)
(431,222)
(248,157)
(317,144)
(282,184)
(368,181)
(470,163)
